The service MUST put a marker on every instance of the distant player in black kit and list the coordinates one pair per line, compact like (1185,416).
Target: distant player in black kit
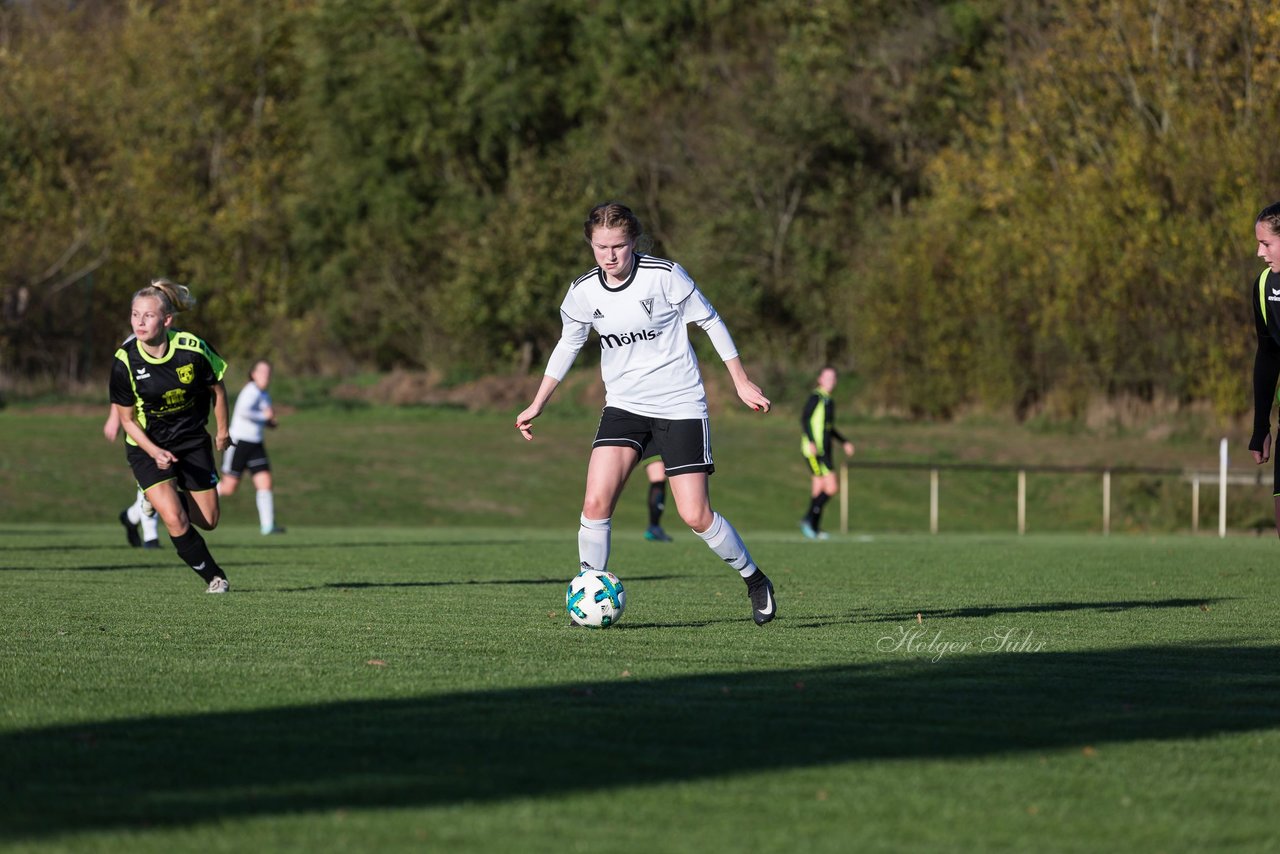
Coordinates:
(1264,294)
(818,425)
(655,499)
(640,308)
(162,384)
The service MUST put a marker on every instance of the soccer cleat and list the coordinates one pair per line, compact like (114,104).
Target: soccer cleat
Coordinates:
(655,534)
(275,529)
(763,606)
(151,544)
(807,529)
(218,585)
(823,535)
(130,530)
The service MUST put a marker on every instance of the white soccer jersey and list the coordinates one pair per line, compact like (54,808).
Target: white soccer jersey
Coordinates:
(646,361)
(248,419)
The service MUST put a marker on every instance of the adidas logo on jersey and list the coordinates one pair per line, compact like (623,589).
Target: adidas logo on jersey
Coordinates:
(599,314)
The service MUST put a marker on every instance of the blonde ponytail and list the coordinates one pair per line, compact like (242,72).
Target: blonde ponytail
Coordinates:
(173,296)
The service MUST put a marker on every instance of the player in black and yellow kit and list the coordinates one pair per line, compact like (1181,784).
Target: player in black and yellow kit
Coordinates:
(1264,293)
(163,383)
(818,424)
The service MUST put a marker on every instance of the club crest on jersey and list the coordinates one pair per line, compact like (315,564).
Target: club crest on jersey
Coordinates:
(647,305)
(186,373)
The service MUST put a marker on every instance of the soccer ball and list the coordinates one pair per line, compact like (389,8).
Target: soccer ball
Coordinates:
(595,599)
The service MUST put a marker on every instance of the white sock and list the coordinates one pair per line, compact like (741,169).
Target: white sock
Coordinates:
(723,539)
(593,542)
(134,511)
(266,510)
(150,524)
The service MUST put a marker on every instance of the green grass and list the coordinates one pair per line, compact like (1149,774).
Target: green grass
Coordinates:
(397,688)
(425,466)
(395,672)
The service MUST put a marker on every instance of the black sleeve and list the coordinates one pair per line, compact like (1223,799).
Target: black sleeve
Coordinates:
(806,416)
(121,389)
(831,422)
(1266,370)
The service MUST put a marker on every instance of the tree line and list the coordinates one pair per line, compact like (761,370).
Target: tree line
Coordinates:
(979,202)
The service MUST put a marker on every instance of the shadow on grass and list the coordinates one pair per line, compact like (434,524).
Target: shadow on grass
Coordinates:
(1041,608)
(292,545)
(362,585)
(171,564)
(493,745)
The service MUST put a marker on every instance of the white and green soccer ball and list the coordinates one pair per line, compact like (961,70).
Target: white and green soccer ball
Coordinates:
(595,599)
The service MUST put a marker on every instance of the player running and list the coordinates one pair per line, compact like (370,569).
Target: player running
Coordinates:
(640,307)
(818,423)
(253,412)
(162,385)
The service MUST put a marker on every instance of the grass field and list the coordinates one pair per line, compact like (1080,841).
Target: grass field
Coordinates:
(412,688)
(423,466)
(396,671)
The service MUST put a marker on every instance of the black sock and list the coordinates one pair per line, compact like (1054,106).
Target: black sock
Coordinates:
(657,502)
(815,509)
(192,549)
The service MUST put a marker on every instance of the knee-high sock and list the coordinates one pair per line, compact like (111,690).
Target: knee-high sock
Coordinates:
(150,524)
(657,502)
(266,510)
(593,542)
(723,539)
(815,509)
(192,549)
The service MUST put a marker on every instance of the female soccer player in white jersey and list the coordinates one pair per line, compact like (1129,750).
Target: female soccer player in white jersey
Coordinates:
(253,412)
(640,307)
(163,383)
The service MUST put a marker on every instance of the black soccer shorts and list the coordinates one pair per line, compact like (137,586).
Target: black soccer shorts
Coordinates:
(684,444)
(194,471)
(245,455)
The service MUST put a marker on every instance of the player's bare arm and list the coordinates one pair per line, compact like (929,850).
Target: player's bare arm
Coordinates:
(134,431)
(748,392)
(524,421)
(222,416)
(111,427)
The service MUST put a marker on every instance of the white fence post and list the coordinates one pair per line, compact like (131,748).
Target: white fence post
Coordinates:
(1222,488)
(1106,502)
(933,501)
(1195,503)
(1022,501)
(844,498)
